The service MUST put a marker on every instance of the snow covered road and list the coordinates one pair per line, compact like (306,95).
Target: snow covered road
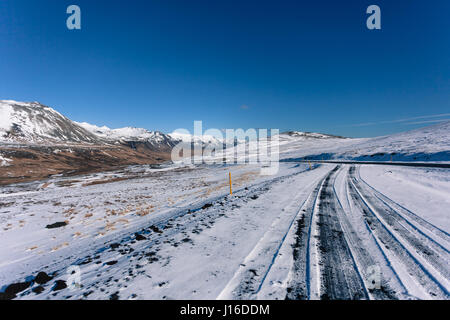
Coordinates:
(326,232)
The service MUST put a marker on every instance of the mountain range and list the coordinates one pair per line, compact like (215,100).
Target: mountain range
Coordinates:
(36,142)
(34,123)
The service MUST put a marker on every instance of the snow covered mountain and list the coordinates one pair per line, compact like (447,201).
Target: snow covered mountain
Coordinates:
(309,135)
(35,123)
(197,140)
(32,122)
(154,138)
(131,135)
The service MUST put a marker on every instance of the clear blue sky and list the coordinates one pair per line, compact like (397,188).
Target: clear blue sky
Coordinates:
(302,65)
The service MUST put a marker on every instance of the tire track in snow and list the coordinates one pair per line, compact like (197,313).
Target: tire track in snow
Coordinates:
(339,274)
(248,280)
(364,259)
(299,288)
(324,266)
(405,213)
(429,249)
(404,244)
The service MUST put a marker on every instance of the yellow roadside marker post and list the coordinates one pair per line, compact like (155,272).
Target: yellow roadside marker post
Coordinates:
(309,165)
(231,189)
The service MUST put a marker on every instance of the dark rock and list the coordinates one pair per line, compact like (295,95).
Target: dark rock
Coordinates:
(38,289)
(207,205)
(85,294)
(139,237)
(56,225)
(114,296)
(110,263)
(42,278)
(155,229)
(59,285)
(13,289)
(4,296)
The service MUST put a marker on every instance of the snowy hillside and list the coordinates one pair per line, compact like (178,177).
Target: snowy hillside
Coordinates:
(424,144)
(32,122)
(177,233)
(429,143)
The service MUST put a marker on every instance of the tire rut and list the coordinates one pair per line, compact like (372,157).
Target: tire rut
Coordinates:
(338,273)
(382,231)
(340,278)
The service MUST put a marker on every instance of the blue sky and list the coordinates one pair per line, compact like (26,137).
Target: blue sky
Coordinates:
(300,65)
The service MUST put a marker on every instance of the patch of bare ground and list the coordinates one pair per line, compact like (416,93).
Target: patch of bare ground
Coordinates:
(35,162)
